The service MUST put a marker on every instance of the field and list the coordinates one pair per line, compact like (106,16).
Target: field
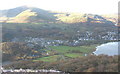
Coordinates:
(66,52)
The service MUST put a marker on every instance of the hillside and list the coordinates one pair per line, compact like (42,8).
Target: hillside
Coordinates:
(22,17)
(13,12)
(26,14)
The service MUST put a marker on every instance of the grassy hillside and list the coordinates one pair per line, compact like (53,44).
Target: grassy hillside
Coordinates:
(71,17)
(26,14)
(22,17)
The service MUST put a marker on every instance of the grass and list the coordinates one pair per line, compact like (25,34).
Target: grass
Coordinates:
(80,49)
(48,58)
(73,55)
(72,18)
(67,51)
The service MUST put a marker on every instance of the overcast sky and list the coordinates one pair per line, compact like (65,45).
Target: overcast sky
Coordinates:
(84,6)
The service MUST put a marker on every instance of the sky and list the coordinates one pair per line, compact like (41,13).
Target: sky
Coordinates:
(83,6)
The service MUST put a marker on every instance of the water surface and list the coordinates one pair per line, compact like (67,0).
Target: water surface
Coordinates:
(110,49)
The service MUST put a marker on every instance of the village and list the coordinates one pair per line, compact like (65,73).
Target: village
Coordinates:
(78,40)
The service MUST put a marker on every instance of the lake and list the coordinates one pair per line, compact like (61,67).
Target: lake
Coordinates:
(110,49)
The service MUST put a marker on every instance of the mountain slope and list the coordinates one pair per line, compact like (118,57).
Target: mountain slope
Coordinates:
(26,14)
(13,12)
(22,17)
(88,18)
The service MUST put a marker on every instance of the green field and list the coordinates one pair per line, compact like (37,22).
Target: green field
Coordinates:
(73,55)
(67,52)
(48,58)
(77,49)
